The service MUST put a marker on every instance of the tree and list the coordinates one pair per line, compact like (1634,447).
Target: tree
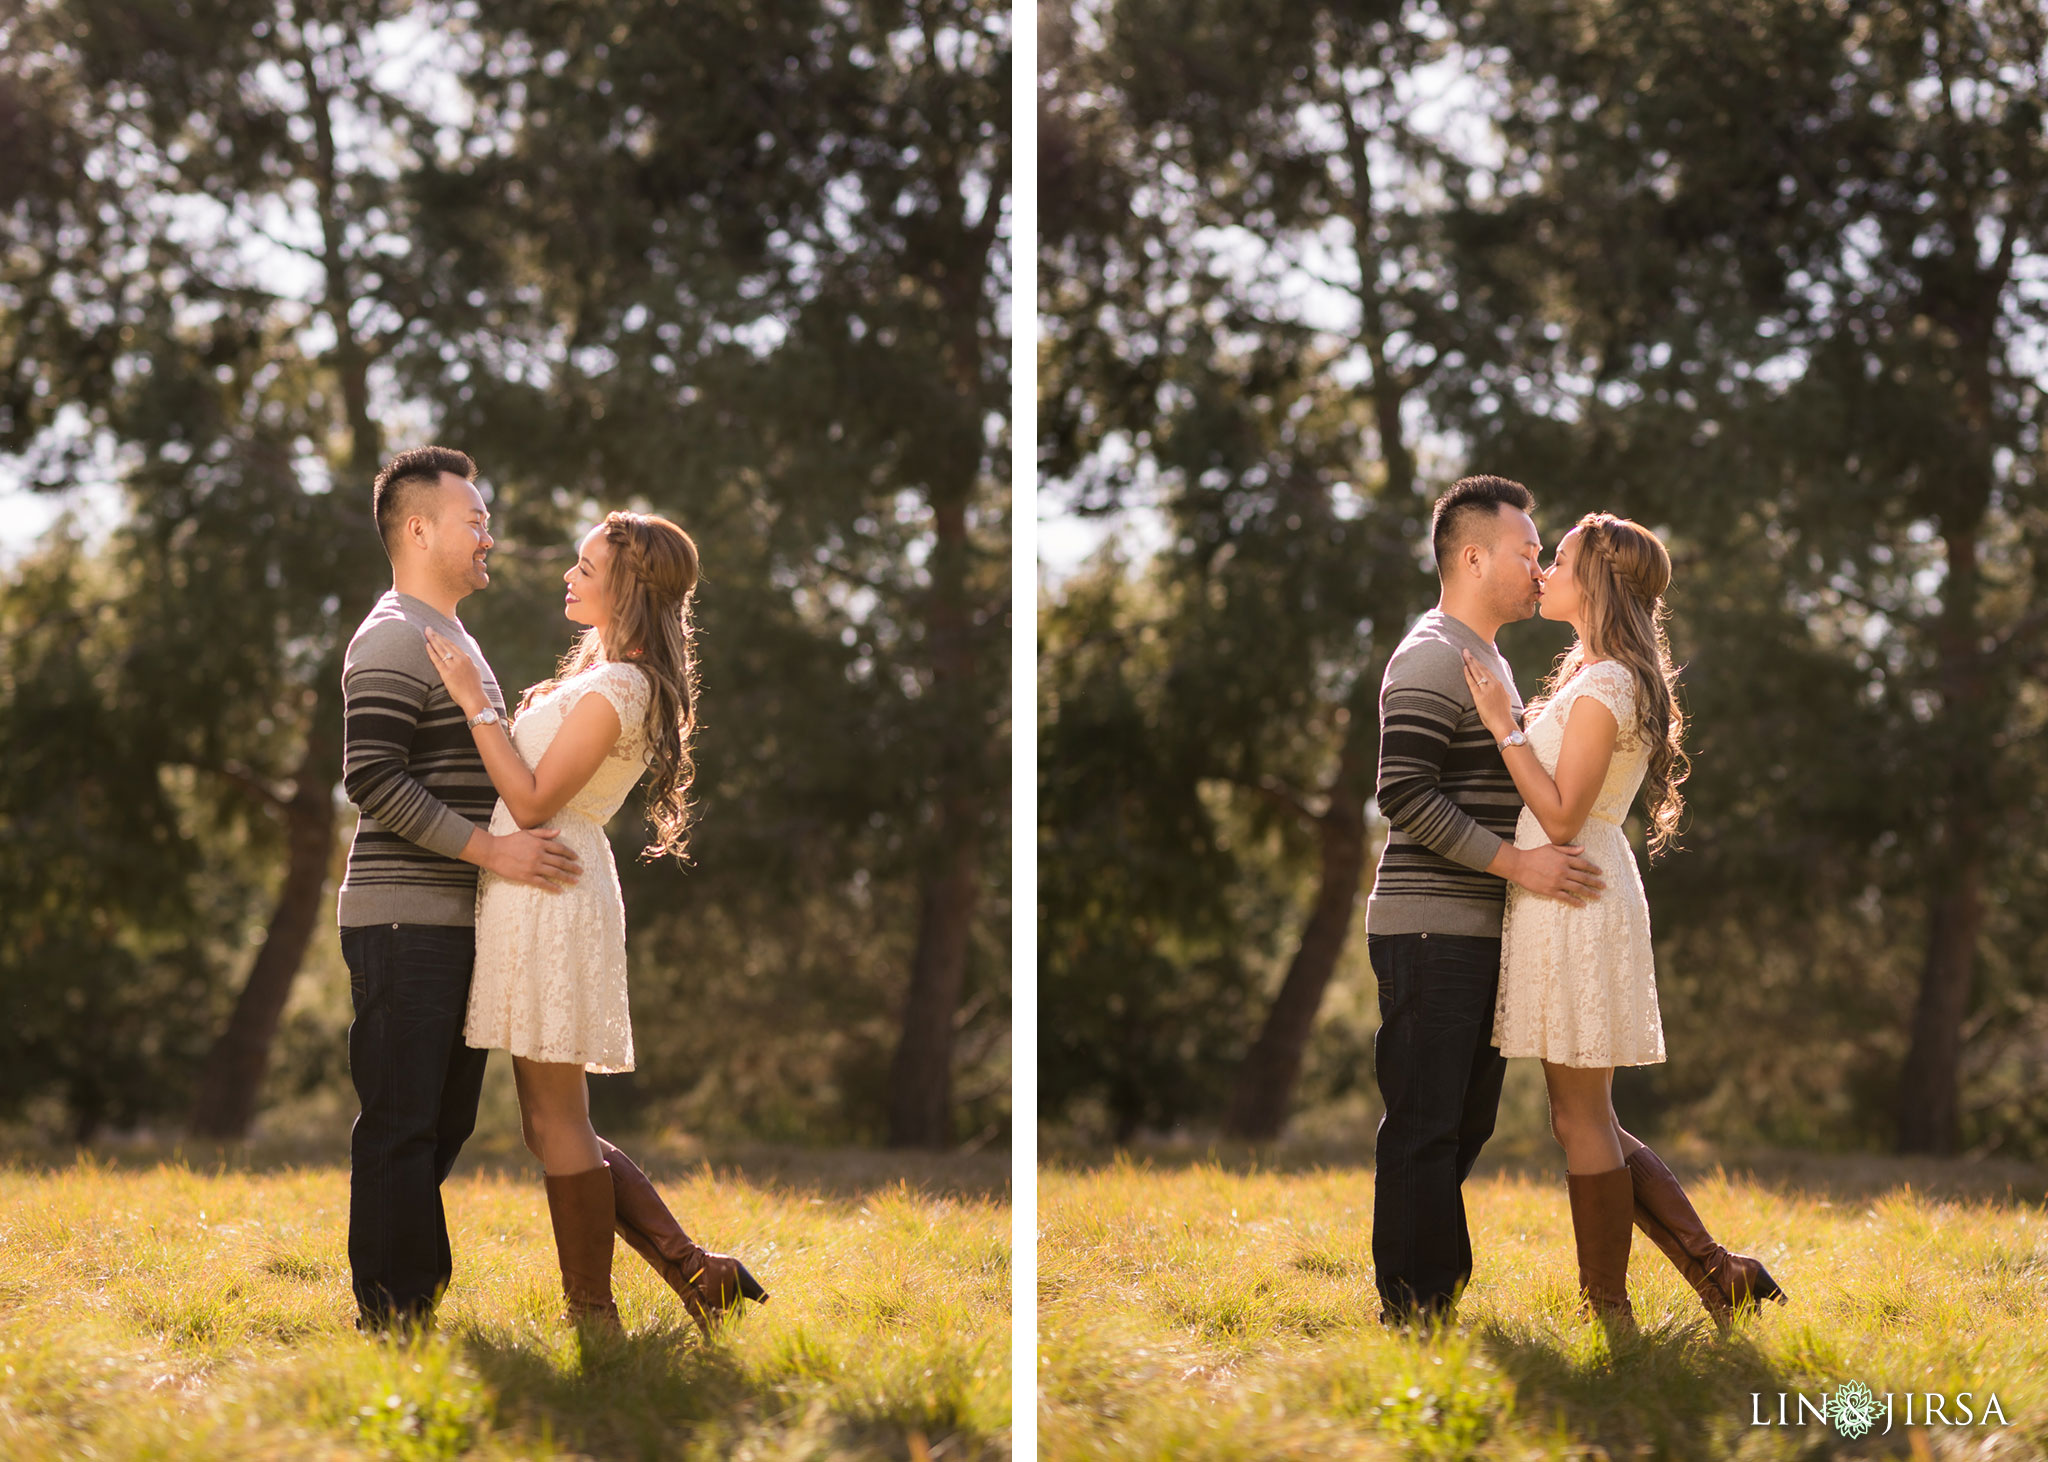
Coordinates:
(1833,310)
(834,378)
(232,361)
(105,924)
(747,271)
(1148,945)
(1766,277)
(1252,250)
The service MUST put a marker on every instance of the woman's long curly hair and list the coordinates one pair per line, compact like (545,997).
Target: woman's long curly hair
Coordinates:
(652,575)
(1622,571)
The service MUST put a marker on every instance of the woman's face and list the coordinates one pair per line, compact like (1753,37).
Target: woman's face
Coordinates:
(586,601)
(1561,599)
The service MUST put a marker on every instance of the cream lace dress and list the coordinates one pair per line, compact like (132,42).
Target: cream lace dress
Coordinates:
(1578,986)
(550,982)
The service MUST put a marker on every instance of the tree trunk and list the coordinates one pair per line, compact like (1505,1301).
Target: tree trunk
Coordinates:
(1265,1086)
(920,1104)
(921,1075)
(233,1079)
(920,1097)
(1264,1093)
(234,1072)
(1263,1097)
(1929,1090)
(1929,1087)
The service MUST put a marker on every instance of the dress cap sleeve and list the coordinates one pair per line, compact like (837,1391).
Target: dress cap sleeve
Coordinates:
(1613,684)
(625,686)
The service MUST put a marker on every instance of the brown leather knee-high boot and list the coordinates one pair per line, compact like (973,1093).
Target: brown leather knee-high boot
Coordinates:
(1603,1214)
(580,1206)
(1724,1281)
(708,1284)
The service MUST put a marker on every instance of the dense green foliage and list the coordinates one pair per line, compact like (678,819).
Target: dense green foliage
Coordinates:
(739,265)
(1772,279)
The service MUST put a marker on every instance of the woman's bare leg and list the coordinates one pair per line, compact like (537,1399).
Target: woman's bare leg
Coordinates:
(1582,1117)
(554,1113)
(1600,1186)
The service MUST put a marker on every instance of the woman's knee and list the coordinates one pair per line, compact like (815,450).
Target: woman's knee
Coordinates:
(538,1115)
(546,1122)
(1569,1127)
(1573,1120)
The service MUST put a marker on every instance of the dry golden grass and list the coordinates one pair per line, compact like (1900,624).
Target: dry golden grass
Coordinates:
(1211,1312)
(157,1311)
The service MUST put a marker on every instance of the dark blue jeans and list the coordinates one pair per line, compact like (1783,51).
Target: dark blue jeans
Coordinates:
(418,1082)
(1440,1077)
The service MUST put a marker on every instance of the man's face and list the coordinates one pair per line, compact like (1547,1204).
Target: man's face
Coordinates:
(1511,566)
(457,534)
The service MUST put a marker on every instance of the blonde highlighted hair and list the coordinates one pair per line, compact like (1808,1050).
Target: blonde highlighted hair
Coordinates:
(1622,571)
(652,575)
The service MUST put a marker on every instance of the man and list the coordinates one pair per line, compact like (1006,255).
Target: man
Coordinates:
(408,900)
(1433,920)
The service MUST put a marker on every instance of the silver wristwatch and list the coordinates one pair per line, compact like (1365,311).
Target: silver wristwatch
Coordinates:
(1513,738)
(488,716)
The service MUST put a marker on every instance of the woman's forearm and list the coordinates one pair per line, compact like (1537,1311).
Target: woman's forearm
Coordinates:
(1540,794)
(509,772)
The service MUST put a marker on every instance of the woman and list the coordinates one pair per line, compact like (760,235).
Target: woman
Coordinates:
(550,981)
(1578,984)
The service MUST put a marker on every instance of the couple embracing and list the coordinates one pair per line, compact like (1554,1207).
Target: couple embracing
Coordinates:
(481,907)
(1507,917)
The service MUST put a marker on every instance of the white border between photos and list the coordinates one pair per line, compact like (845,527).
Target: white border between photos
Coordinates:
(1024,733)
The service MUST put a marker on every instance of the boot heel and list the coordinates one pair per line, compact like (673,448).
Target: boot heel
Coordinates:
(750,1287)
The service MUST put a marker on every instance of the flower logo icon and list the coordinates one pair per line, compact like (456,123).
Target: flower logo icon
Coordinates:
(1853,1409)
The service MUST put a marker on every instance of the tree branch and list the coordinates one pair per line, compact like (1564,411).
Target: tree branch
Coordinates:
(255,786)
(1283,796)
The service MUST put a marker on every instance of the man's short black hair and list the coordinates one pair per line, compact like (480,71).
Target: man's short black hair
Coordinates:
(1467,503)
(395,495)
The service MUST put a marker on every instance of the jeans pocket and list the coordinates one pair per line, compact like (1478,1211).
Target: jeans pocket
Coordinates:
(1456,981)
(363,952)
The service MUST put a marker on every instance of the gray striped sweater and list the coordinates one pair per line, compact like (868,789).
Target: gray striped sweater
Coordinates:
(1443,787)
(410,765)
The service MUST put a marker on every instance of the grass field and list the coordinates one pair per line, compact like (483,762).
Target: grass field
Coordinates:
(1204,1310)
(178,1309)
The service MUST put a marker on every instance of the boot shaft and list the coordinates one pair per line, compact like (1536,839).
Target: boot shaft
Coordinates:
(580,1206)
(1603,1220)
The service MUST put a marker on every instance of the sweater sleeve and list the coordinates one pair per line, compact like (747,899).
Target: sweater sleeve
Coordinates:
(382,702)
(1421,704)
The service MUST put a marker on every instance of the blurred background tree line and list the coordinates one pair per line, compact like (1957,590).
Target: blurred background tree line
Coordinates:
(1768,275)
(743,265)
